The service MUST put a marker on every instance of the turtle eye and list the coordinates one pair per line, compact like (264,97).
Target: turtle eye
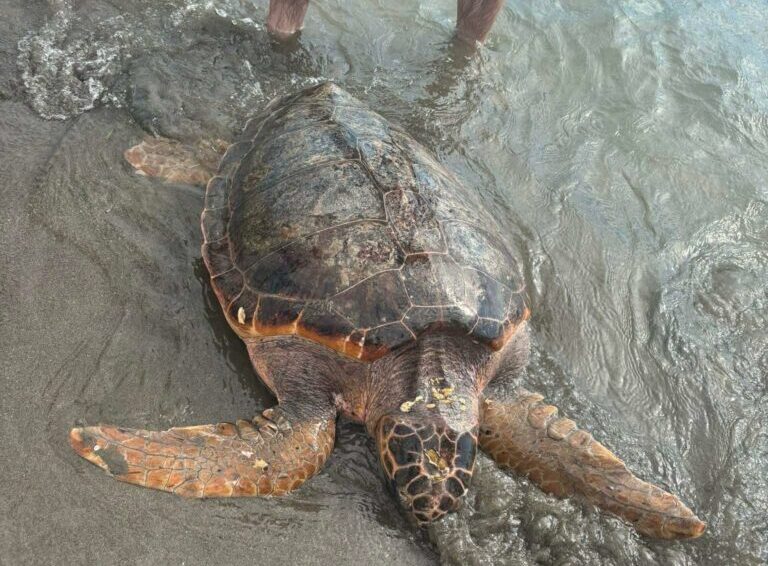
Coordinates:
(466,450)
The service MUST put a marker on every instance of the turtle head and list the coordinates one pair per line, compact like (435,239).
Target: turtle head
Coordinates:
(428,461)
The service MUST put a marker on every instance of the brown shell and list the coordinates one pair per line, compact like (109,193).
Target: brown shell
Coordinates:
(330,223)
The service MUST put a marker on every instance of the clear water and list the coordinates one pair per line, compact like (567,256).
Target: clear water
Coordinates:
(625,145)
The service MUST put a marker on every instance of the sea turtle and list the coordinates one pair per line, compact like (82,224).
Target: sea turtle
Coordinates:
(367,281)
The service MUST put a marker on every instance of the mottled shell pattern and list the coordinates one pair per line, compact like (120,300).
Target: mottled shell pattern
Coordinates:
(327,222)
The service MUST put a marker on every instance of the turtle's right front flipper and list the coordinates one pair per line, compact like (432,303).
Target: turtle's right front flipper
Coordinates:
(525,435)
(272,455)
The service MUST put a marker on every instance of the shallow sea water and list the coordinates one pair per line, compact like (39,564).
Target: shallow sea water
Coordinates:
(623,143)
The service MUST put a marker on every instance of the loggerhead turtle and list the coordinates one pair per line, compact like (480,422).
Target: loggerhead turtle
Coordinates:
(365,281)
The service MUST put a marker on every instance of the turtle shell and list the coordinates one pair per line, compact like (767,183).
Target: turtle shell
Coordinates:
(327,222)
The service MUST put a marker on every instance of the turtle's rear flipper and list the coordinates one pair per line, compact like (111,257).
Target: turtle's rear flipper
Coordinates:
(176,162)
(526,436)
(272,455)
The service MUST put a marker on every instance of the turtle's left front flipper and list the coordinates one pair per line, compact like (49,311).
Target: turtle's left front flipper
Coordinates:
(525,435)
(271,455)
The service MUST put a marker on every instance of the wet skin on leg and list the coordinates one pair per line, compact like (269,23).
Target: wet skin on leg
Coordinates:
(474,19)
(286,17)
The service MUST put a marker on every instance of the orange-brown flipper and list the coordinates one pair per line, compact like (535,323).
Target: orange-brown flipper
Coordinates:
(526,436)
(176,162)
(272,455)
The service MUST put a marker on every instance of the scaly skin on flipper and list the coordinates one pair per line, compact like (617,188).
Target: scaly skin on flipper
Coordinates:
(174,161)
(526,436)
(272,455)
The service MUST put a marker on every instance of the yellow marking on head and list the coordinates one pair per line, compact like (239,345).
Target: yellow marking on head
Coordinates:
(438,462)
(408,405)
